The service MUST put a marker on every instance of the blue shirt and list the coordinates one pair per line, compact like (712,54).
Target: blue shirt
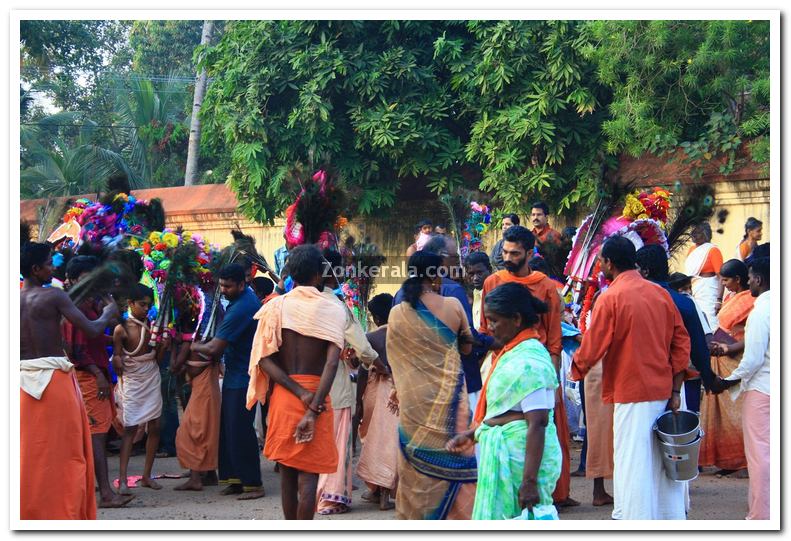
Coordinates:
(699,349)
(238,329)
(470,363)
(280,259)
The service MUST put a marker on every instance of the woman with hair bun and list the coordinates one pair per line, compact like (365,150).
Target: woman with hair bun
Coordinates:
(424,337)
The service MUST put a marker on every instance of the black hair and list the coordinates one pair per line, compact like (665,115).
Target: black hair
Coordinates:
(679,280)
(704,227)
(263,286)
(510,299)
(539,264)
(762,250)
(422,266)
(478,258)
(380,306)
(621,252)
(541,205)
(421,223)
(304,263)
(139,292)
(569,232)
(733,268)
(752,223)
(336,263)
(79,265)
(233,272)
(652,258)
(513,217)
(760,267)
(520,235)
(436,244)
(33,254)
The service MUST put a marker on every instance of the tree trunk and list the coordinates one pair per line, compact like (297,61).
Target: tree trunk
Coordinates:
(193,151)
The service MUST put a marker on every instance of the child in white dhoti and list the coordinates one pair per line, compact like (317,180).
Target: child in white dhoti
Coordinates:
(137,366)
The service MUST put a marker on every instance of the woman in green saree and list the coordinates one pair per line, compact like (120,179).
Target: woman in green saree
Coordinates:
(520,456)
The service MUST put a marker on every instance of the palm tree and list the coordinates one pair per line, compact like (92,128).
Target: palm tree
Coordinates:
(56,167)
(146,106)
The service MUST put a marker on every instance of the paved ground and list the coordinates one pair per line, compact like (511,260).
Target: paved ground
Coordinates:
(712,499)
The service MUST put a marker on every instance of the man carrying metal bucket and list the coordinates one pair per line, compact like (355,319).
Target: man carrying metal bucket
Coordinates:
(638,334)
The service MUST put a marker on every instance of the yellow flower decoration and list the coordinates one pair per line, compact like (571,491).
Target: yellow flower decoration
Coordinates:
(186,236)
(170,239)
(134,243)
(633,208)
(643,216)
(121,196)
(155,237)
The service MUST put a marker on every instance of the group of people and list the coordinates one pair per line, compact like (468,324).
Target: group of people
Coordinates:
(458,389)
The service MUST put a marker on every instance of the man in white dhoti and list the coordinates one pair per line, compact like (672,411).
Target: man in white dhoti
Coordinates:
(703,265)
(638,334)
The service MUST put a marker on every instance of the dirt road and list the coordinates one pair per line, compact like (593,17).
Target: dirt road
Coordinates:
(712,499)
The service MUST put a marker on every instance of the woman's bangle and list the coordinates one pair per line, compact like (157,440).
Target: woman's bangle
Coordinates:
(676,392)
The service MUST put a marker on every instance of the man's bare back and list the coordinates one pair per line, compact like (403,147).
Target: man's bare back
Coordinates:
(41,309)
(301,354)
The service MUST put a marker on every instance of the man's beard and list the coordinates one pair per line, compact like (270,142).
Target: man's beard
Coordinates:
(514,267)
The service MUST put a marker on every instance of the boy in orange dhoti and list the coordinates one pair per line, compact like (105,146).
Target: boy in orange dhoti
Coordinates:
(91,363)
(298,343)
(55,441)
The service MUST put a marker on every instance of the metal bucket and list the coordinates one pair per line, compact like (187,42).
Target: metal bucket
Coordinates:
(677,429)
(680,461)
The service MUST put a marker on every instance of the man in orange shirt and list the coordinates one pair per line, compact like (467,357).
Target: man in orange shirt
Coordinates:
(518,243)
(638,334)
(539,215)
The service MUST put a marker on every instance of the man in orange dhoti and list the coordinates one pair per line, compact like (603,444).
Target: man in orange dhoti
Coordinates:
(518,243)
(91,363)
(56,457)
(297,344)
(198,435)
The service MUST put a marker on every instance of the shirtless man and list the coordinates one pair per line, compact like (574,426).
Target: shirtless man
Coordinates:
(298,344)
(50,413)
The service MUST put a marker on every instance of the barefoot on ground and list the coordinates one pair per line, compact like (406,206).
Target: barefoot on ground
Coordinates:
(190,485)
(568,502)
(123,489)
(371,496)
(599,501)
(116,501)
(150,483)
(252,494)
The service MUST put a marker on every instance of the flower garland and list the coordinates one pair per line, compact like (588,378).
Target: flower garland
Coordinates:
(475,227)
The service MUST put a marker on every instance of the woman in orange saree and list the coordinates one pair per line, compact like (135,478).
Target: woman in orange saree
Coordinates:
(721,419)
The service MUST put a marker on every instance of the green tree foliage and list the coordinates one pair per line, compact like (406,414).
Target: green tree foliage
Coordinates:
(66,58)
(164,47)
(703,85)
(534,107)
(364,96)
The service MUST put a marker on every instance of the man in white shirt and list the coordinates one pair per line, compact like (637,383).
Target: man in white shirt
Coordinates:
(752,377)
